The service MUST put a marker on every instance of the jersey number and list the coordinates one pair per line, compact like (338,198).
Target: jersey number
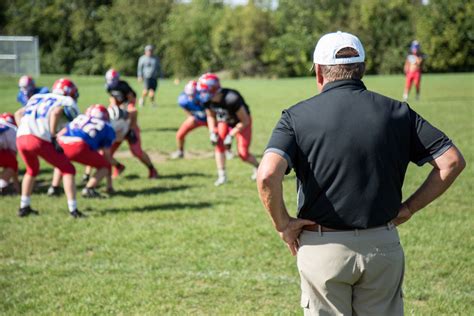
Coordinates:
(90,125)
(40,107)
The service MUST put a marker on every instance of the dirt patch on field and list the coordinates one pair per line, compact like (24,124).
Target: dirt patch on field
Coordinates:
(162,156)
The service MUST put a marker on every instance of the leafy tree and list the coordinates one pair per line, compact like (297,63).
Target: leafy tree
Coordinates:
(240,37)
(127,26)
(187,36)
(385,28)
(445,29)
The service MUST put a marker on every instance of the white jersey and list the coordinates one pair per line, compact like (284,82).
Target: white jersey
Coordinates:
(7,136)
(120,121)
(38,111)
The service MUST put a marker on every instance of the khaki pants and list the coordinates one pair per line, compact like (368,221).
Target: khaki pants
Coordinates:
(351,273)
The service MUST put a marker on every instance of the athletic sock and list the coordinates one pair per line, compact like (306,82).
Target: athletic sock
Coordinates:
(3,184)
(72,205)
(221,173)
(25,201)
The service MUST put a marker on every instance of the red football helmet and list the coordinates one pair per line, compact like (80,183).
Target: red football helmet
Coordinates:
(8,117)
(190,88)
(207,86)
(112,76)
(98,111)
(65,87)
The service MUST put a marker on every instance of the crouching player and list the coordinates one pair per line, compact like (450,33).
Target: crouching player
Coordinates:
(27,88)
(196,116)
(81,141)
(8,151)
(228,116)
(43,116)
(123,96)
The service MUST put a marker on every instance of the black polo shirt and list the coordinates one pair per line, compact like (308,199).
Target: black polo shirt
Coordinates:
(226,110)
(350,149)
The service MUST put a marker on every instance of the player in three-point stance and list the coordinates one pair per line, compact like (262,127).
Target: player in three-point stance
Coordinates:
(39,121)
(87,140)
(27,88)
(228,116)
(8,150)
(123,96)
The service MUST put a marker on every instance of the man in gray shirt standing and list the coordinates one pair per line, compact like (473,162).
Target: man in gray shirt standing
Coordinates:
(148,71)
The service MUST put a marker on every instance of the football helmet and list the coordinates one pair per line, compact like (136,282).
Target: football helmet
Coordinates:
(98,111)
(112,77)
(8,117)
(190,88)
(65,87)
(26,84)
(207,86)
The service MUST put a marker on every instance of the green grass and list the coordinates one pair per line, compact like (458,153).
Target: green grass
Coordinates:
(178,245)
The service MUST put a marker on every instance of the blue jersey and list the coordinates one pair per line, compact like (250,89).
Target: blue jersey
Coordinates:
(22,97)
(95,132)
(193,106)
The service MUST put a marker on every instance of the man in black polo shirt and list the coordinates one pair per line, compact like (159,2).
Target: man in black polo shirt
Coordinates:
(350,149)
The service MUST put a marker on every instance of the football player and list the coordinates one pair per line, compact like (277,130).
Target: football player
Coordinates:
(123,96)
(40,120)
(196,116)
(8,151)
(228,117)
(27,88)
(412,68)
(82,140)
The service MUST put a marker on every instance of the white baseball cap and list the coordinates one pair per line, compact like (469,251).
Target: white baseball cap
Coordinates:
(328,46)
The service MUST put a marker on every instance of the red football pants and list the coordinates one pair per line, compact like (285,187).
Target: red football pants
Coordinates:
(188,125)
(243,139)
(136,148)
(413,77)
(31,147)
(8,159)
(81,152)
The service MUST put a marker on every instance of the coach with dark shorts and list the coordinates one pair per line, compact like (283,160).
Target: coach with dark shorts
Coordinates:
(148,71)
(350,149)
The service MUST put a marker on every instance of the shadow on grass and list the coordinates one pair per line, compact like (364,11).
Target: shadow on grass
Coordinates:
(131,176)
(179,176)
(178,206)
(160,129)
(150,191)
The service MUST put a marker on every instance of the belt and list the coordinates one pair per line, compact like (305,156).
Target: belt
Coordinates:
(321,228)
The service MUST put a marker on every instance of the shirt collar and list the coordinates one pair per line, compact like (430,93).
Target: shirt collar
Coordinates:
(350,83)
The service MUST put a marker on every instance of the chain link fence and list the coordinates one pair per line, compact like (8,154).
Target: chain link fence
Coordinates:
(19,55)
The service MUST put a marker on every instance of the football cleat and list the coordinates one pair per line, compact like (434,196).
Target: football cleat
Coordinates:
(253,177)
(90,193)
(179,154)
(54,191)
(117,170)
(27,210)
(153,174)
(77,214)
(220,181)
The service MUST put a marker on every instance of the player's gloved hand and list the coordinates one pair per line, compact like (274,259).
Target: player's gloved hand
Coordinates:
(228,141)
(56,146)
(131,137)
(213,137)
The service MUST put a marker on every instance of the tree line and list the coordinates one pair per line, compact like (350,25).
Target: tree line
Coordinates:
(258,39)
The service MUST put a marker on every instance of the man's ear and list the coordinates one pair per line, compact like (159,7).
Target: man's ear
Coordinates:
(319,76)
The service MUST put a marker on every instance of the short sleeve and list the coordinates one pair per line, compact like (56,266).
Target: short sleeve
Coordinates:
(234,101)
(283,140)
(428,142)
(110,137)
(183,100)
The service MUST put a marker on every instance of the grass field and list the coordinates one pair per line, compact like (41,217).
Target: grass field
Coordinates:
(178,245)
